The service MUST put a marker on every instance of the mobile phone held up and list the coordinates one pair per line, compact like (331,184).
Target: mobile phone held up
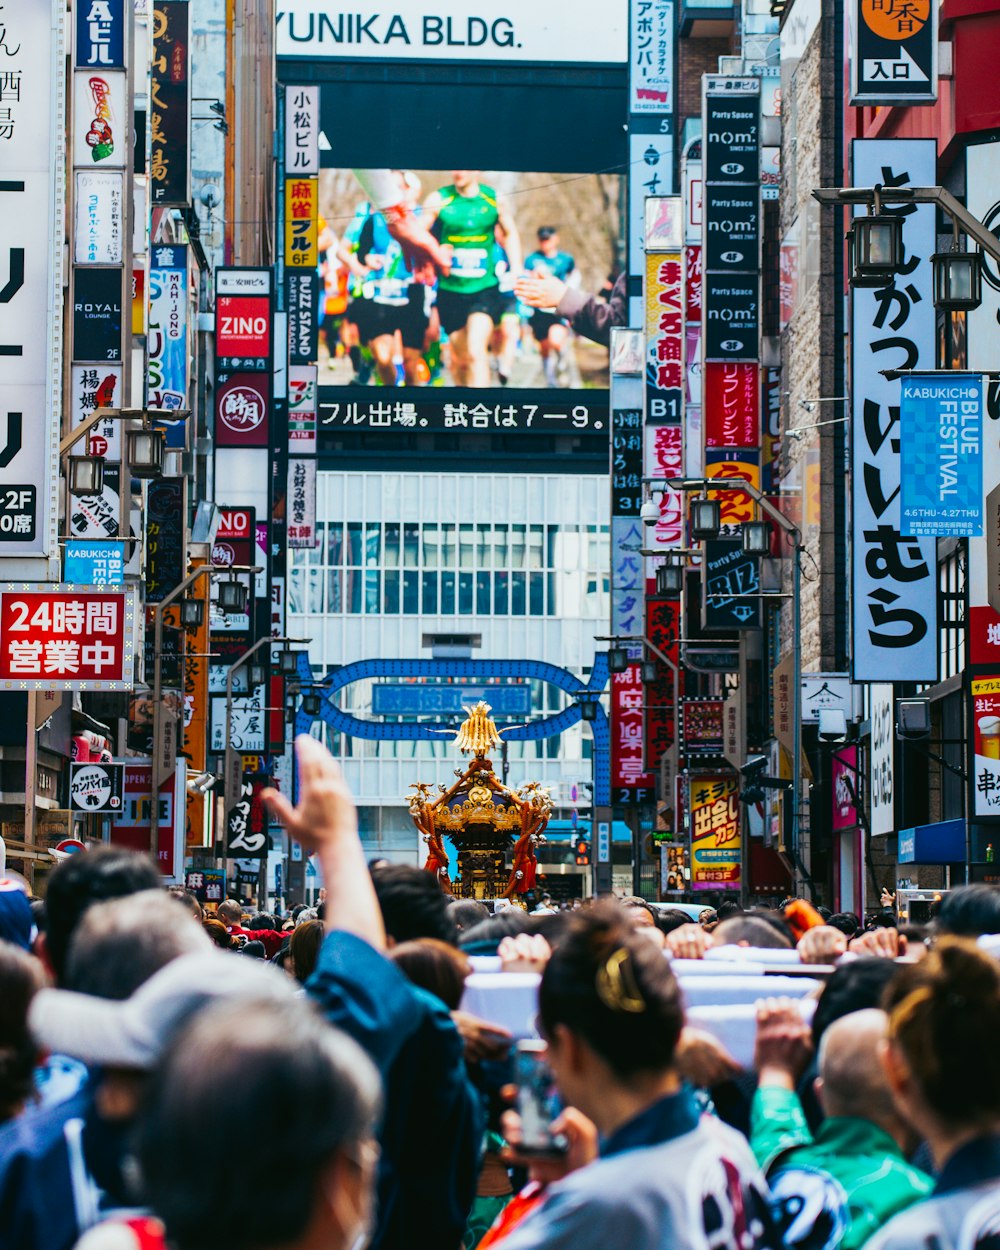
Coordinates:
(538,1102)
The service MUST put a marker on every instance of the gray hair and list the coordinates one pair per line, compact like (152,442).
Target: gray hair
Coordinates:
(309,1091)
(121,943)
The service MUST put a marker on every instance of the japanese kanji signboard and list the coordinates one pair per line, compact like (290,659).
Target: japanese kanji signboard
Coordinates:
(716,844)
(894,50)
(894,571)
(301,131)
(301,222)
(985,693)
(62,637)
(32,88)
(170,107)
(664,338)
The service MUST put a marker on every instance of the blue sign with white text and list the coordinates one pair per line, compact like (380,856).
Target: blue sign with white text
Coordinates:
(941,454)
(100,34)
(423,699)
(88,563)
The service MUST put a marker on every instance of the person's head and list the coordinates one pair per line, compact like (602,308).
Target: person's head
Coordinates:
(751,929)
(708,917)
(846,921)
(263,920)
(853,987)
(464,179)
(548,240)
(944,1020)
(639,911)
(467,913)
(21,977)
(311,1094)
(120,944)
(729,908)
(670,919)
(880,920)
(219,934)
(852,1082)
(610,1009)
(188,901)
(969,911)
(81,880)
(230,912)
(434,966)
(484,938)
(254,949)
(305,943)
(307,914)
(413,905)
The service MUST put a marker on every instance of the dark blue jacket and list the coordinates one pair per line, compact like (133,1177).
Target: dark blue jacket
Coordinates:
(42,1177)
(432,1127)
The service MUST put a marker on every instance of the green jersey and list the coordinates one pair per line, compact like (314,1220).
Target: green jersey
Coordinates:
(835,1190)
(468,225)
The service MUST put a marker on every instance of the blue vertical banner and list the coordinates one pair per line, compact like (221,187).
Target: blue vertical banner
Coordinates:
(941,454)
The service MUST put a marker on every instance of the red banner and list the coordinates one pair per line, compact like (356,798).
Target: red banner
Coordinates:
(630,783)
(243,326)
(731,408)
(66,639)
(241,411)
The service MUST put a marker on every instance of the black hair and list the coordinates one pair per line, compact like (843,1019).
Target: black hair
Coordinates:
(21,976)
(846,921)
(672,918)
(729,908)
(467,913)
(263,920)
(759,929)
(491,932)
(78,882)
(413,904)
(969,911)
(310,1092)
(254,948)
(614,989)
(852,987)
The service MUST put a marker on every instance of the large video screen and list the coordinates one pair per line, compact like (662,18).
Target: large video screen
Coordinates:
(510,239)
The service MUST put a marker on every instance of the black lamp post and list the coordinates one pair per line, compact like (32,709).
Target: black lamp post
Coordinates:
(670,579)
(756,538)
(192,612)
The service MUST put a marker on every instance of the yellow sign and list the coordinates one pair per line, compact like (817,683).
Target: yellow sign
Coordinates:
(716,845)
(302,223)
(735,505)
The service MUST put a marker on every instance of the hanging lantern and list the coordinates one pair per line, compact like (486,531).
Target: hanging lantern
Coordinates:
(86,475)
(144,452)
(958,281)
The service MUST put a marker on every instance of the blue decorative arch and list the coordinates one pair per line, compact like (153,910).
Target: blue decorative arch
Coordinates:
(547,727)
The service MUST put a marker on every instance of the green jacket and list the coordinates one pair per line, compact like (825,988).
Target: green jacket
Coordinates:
(837,1188)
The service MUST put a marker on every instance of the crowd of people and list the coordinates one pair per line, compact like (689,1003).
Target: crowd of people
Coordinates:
(468,312)
(162,1085)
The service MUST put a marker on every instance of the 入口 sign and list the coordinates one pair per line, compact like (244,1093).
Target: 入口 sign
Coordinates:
(894,49)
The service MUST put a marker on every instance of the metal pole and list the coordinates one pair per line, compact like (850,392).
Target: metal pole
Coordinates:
(30,774)
(796,695)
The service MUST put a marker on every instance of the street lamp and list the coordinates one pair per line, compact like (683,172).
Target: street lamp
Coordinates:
(86,475)
(256,675)
(288,662)
(233,597)
(617,659)
(588,709)
(648,672)
(311,703)
(957,280)
(706,518)
(192,612)
(877,245)
(756,538)
(670,579)
(144,452)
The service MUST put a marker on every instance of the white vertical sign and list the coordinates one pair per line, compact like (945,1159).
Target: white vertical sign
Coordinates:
(301,131)
(880,757)
(894,574)
(32,104)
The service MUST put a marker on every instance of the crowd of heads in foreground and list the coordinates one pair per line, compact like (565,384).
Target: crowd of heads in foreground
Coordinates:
(319,1078)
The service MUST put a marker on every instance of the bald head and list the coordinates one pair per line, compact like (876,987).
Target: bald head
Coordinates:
(850,1069)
